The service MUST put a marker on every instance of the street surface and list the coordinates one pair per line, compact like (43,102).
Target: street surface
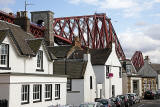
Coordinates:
(148,103)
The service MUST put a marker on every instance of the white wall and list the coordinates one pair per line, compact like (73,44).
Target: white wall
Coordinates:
(89,94)
(26,64)
(76,96)
(114,64)
(81,91)
(15,90)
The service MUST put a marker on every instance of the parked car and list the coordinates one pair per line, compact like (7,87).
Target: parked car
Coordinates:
(93,104)
(127,101)
(114,100)
(158,92)
(136,98)
(119,102)
(130,99)
(150,94)
(107,102)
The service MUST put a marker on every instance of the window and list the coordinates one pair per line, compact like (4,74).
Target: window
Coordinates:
(4,55)
(120,72)
(107,70)
(91,84)
(25,94)
(113,90)
(128,68)
(40,59)
(48,91)
(37,92)
(69,83)
(57,91)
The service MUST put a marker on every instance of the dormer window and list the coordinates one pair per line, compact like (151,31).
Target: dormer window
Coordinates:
(40,60)
(4,55)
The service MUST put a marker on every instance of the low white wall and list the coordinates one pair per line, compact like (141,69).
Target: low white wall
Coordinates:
(12,90)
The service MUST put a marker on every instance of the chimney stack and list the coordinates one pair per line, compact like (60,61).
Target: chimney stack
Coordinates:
(76,41)
(23,21)
(147,59)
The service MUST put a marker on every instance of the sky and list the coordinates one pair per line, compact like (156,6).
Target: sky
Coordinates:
(136,22)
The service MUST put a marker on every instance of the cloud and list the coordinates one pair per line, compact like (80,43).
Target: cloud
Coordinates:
(141,24)
(142,40)
(129,8)
(7,10)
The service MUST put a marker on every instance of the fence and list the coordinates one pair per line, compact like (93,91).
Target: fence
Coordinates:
(3,103)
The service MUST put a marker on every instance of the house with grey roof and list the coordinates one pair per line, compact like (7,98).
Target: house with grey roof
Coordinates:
(156,67)
(108,71)
(26,70)
(149,76)
(131,81)
(81,81)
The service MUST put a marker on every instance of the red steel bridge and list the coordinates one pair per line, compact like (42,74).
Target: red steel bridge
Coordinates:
(137,60)
(94,31)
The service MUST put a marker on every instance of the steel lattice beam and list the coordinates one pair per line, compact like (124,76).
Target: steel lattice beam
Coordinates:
(94,31)
(137,60)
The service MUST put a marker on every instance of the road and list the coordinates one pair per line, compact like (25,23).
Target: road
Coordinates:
(148,103)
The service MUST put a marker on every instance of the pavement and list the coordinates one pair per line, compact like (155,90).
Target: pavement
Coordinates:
(148,103)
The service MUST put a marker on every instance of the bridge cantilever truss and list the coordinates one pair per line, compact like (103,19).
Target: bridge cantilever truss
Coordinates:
(94,31)
(137,60)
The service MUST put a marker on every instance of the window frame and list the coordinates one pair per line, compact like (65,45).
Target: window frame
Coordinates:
(4,52)
(39,61)
(25,94)
(91,82)
(69,84)
(57,91)
(48,92)
(120,72)
(107,70)
(37,93)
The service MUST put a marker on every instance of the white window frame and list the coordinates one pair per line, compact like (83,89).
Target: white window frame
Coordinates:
(25,94)
(57,91)
(48,91)
(4,51)
(40,59)
(37,90)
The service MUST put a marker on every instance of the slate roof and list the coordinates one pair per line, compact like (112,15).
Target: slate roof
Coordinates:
(156,67)
(147,71)
(74,68)
(59,51)
(99,56)
(26,44)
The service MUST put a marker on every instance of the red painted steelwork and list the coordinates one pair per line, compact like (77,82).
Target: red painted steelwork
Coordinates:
(6,17)
(35,30)
(137,60)
(94,31)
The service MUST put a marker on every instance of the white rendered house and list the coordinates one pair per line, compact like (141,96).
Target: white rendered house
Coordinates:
(81,84)
(26,70)
(107,68)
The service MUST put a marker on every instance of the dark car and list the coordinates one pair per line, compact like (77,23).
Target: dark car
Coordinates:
(121,100)
(127,101)
(107,102)
(150,94)
(130,99)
